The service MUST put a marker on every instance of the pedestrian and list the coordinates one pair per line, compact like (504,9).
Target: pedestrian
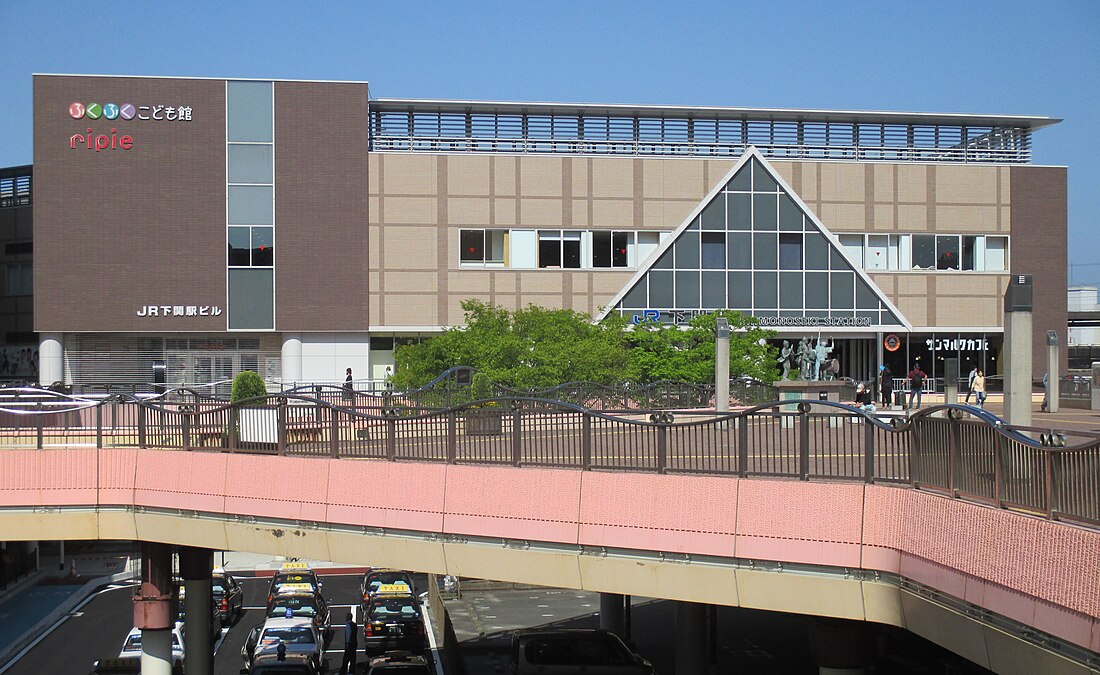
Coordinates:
(885,385)
(970,383)
(915,380)
(977,385)
(1046,391)
(351,644)
(349,389)
(864,399)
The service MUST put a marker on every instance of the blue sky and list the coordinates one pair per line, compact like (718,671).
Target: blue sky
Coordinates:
(1022,58)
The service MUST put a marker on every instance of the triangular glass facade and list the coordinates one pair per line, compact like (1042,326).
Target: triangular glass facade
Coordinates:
(753,248)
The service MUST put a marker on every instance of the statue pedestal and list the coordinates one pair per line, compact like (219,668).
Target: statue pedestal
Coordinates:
(831,390)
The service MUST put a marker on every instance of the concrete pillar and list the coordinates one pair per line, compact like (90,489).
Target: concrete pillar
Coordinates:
(1053,363)
(1017,350)
(154,609)
(292,358)
(691,638)
(613,613)
(722,366)
(841,647)
(61,555)
(51,362)
(196,565)
(950,381)
(1095,388)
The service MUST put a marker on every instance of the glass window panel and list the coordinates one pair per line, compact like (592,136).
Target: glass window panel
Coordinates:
(714,250)
(660,285)
(765,292)
(790,290)
(947,252)
(817,290)
(472,245)
(996,254)
(647,243)
(888,319)
(636,298)
(601,249)
(875,257)
(739,248)
(571,250)
(664,262)
(967,254)
(817,251)
(853,246)
(714,290)
(251,300)
(924,252)
(836,260)
(263,247)
(240,244)
(741,181)
(740,290)
(739,210)
(765,212)
(620,242)
(694,224)
(687,251)
(865,296)
(761,180)
(248,107)
(765,251)
(790,251)
(714,216)
(842,290)
(894,261)
(687,290)
(251,205)
(251,164)
(494,246)
(549,248)
(790,216)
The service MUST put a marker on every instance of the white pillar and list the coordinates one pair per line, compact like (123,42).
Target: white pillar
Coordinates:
(1017,365)
(156,651)
(292,358)
(722,366)
(1053,362)
(51,363)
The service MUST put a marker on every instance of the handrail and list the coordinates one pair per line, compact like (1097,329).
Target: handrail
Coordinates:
(963,451)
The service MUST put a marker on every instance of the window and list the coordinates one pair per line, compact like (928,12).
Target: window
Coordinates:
(853,246)
(790,251)
(996,254)
(877,256)
(251,247)
(558,248)
(481,247)
(947,252)
(610,249)
(20,279)
(924,252)
(714,250)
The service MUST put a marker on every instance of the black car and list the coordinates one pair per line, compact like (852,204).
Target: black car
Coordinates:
(393,622)
(296,578)
(304,606)
(228,597)
(566,651)
(374,580)
(399,664)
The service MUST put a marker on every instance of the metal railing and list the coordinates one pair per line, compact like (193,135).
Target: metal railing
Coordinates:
(960,451)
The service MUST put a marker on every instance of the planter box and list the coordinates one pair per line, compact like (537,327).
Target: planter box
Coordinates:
(485,422)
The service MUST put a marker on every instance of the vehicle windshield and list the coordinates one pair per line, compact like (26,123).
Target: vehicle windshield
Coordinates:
(391,607)
(133,643)
(298,606)
(219,588)
(293,578)
(292,635)
(387,578)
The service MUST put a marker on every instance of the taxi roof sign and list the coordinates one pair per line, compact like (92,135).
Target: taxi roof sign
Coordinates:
(287,566)
(295,588)
(399,587)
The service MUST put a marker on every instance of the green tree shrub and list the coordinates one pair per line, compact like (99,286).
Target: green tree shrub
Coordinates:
(247,384)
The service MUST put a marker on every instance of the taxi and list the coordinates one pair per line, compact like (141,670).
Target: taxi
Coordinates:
(299,601)
(392,621)
(295,636)
(390,581)
(293,573)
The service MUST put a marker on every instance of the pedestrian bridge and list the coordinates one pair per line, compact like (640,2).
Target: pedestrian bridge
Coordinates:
(976,535)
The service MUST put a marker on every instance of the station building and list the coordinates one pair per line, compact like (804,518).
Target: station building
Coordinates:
(301,228)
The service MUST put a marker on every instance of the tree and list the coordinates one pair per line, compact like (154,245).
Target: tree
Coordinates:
(665,352)
(247,384)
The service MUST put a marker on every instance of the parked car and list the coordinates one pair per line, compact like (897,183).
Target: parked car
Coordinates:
(399,664)
(386,581)
(129,658)
(293,573)
(228,597)
(393,622)
(302,606)
(298,635)
(290,664)
(560,651)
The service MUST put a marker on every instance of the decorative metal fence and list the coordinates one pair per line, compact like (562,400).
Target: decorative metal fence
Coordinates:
(960,451)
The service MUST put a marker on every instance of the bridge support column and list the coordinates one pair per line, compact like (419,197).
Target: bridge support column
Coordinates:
(51,364)
(1017,351)
(691,638)
(613,613)
(841,647)
(196,565)
(292,358)
(154,609)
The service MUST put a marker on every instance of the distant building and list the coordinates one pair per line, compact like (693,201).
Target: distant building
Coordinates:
(301,228)
(1084,327)
(18,341)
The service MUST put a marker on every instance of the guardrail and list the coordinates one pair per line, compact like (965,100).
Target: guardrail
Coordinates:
(955,449)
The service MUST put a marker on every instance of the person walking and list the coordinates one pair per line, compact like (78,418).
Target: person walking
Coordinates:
(886,385)
(977,385)
(970,384)
(351,645)
(915,380)
(349,388)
